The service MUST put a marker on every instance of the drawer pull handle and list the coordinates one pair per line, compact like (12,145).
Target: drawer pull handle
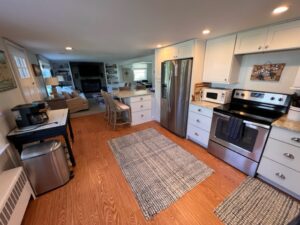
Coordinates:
(141,106)
(142,115)
(198,121)
(280,175)
(295,139)
(289,155)
(199,110)
(259,47)
(141,99)
(196,134)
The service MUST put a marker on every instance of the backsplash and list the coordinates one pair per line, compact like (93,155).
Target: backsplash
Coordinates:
(292,60)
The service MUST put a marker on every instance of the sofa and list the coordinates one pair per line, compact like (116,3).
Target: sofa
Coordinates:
(73,101)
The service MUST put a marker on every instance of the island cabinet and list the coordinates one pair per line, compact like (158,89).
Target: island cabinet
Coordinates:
(220,63)
(141,107)
(283,36)
(280,163)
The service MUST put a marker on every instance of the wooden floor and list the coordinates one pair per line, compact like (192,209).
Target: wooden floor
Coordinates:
(99,193)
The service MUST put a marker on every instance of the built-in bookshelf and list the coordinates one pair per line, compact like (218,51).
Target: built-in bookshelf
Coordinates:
(111,73)
(62,70)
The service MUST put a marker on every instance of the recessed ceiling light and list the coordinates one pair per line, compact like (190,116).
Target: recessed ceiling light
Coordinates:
(159,46)
(68,48)
(280,9)
(206,31)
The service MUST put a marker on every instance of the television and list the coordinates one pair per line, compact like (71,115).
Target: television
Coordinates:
(90,69)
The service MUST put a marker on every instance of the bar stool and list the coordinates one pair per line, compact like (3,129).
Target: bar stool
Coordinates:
(107,112)
(116,109)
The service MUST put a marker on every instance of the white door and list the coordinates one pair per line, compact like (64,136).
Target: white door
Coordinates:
(284,36)
(24,73)
(251,41)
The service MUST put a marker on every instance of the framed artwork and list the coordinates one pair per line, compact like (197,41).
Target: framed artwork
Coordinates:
(267,72)
(37,70)
(7,80)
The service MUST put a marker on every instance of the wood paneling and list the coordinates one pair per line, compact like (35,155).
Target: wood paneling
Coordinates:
(99,193)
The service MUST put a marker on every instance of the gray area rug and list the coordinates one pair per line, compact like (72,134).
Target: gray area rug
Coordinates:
(158,170)
(255,202)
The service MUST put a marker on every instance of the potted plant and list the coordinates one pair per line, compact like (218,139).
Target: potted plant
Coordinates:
(294,111)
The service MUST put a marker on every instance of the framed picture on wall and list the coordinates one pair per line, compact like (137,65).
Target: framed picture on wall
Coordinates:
(7,80)
(267,72)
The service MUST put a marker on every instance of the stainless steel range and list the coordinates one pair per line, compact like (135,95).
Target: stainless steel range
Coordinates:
(240,129)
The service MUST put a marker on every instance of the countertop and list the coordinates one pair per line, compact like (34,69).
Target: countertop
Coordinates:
(285,123)
(205,104)
(132,93)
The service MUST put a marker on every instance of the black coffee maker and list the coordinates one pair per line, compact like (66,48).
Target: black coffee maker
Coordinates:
(30,114)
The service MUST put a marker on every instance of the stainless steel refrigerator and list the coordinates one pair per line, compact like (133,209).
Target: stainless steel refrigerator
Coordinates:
(175,93)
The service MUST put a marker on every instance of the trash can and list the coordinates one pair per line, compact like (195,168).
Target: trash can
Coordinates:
(46,166)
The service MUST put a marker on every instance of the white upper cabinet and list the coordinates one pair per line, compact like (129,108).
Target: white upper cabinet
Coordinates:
(273,38)
(284,36)
(179,51)
(251,41)
(220,64)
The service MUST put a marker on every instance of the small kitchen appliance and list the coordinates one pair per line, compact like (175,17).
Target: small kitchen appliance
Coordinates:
(30,114)
(240,129)
(216,95)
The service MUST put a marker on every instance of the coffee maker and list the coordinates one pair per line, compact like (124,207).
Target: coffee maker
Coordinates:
(30,114)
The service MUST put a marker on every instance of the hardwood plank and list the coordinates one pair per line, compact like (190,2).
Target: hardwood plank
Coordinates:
(99,193)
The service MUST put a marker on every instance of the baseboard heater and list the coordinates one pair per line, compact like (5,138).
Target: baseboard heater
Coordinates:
(15,193)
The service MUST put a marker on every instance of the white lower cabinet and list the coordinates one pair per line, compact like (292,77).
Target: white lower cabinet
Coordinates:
(280,163)
(141,107)
(199,123)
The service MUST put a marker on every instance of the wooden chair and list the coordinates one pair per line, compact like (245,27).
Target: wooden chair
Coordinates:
(116,109)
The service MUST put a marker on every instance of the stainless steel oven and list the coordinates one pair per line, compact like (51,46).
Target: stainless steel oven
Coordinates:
(250,144)
(240,129)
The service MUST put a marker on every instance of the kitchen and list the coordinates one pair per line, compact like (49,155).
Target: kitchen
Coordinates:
(264,141)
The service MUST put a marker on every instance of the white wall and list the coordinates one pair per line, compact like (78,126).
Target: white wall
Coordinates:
(292,60)
(8,99)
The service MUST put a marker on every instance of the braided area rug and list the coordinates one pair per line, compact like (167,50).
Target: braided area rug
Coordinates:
(257,203)
(158,171)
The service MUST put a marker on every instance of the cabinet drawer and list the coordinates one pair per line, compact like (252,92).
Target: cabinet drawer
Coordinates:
(283,153)
(286,136)
(280,174)
(201,110)
(140,106)
(141,117)
(140,98)
(200,121)
(198,135)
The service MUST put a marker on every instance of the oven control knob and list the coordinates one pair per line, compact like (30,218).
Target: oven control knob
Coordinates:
(237,94)
(242,94)
(280,99)
(272,98)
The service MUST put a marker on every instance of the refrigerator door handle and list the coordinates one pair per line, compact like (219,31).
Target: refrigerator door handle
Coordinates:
(169,92)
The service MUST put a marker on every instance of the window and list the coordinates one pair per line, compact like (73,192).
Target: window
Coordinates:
(22,67)
(140,74)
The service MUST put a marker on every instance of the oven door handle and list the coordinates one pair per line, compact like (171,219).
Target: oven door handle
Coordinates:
(244,121)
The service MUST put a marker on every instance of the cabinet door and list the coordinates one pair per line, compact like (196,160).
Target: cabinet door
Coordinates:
(284,36)
(185,50)
(218,59)
(251,41)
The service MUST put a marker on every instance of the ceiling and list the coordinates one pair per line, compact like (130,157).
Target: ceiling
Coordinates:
(110,30)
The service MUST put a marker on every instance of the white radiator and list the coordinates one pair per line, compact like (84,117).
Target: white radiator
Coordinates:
(15,193)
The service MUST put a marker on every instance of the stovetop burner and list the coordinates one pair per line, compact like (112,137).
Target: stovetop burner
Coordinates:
(261,107)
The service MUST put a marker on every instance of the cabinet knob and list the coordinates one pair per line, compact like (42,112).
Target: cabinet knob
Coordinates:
(289,155)
(267,46)
(280,175)
(198,121)
(141,106)
(199,110)
(259,47)
(141,99)
(225,79)
(295,139)
(196,134)
(142,115)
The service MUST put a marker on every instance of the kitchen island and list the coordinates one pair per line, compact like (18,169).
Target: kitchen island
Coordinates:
(140,102)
